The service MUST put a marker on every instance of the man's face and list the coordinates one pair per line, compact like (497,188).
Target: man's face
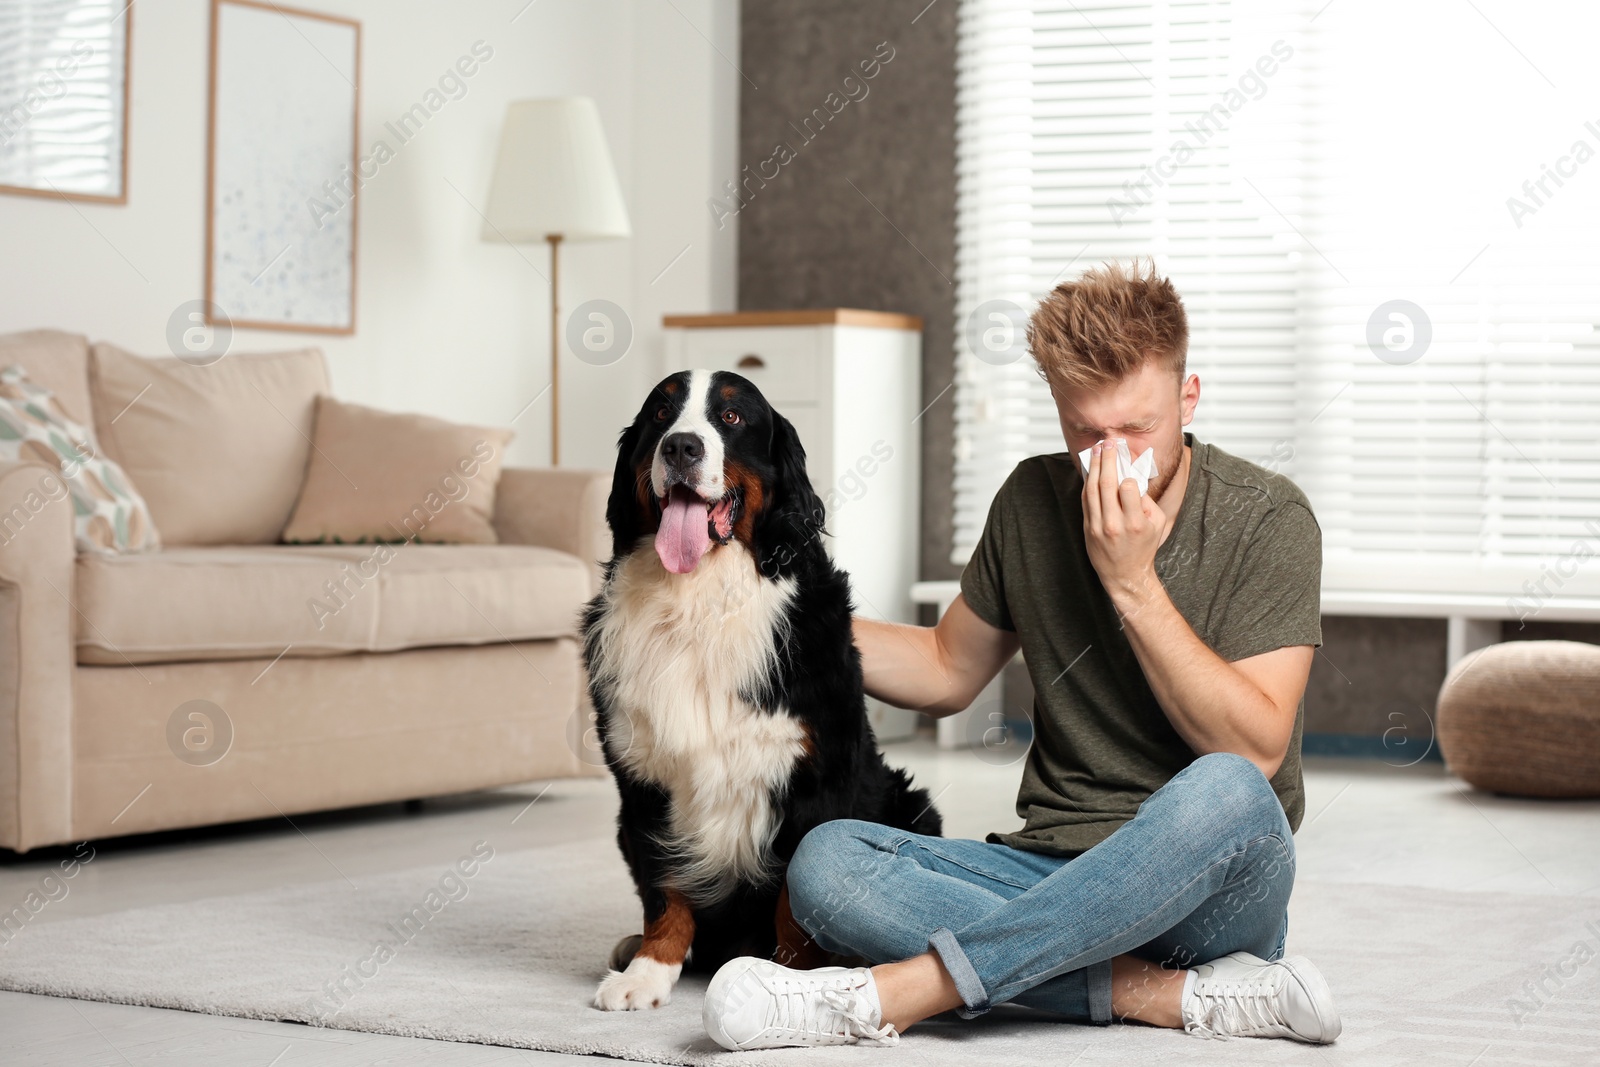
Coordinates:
(1149,409)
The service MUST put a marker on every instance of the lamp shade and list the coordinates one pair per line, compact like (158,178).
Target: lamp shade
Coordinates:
(553,175)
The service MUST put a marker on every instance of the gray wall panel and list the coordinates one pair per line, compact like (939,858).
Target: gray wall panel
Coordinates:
(864,214)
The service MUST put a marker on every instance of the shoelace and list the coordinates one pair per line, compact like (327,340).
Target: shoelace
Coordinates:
(1233,1005)
(809,1014)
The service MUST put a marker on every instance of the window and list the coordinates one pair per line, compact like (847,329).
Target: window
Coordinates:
(1385,223)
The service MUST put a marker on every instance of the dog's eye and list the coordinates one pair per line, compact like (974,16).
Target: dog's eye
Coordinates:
(731,417)
(661,413)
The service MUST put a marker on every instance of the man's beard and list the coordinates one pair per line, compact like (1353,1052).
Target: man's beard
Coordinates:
(1169,467)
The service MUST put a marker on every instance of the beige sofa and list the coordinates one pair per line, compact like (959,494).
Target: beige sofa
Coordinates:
(454,668)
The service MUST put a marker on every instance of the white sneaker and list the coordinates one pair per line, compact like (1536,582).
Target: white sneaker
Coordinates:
(753,1003)
(1241,995)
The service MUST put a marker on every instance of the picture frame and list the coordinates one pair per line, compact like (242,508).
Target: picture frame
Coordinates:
(282,191)
(64,78)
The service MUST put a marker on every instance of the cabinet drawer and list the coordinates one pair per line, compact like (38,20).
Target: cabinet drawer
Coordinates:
(783,361)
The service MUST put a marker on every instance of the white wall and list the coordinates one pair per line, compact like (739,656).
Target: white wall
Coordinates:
(445,323)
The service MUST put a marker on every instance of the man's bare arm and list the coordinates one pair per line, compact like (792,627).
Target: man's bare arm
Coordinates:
(938,670)
(1247,706)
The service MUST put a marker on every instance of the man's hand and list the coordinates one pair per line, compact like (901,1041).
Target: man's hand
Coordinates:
(1121,530)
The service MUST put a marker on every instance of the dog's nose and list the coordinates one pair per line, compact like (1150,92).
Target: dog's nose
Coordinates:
(680,451)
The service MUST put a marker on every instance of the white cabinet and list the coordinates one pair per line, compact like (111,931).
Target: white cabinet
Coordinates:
(850,381)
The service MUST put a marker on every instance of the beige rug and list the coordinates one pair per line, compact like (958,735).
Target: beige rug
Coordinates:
(509,956)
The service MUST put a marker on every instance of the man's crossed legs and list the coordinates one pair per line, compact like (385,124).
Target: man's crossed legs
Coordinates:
(1144,926)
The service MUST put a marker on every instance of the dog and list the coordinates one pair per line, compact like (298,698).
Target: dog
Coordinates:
(726,686)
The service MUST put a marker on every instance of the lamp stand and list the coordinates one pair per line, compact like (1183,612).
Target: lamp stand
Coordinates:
(555,349)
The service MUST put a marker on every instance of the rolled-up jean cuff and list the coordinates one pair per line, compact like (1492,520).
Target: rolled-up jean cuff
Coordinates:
(973,995)
(1100,993)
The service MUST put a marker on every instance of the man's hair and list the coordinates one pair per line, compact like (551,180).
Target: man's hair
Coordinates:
(1102,327)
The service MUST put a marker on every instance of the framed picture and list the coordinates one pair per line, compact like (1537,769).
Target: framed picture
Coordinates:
(64,98)
(281,182)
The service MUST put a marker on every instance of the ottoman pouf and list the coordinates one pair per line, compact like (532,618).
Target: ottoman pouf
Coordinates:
(1523,718)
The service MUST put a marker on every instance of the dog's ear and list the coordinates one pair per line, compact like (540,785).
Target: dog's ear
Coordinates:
(624,509)
(797,511)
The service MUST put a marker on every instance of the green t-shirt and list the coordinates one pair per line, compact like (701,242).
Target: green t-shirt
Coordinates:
(1242,564)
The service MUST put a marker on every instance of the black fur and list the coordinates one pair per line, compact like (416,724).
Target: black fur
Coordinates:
(818,680)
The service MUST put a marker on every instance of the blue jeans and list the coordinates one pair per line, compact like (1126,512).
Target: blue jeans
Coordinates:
(1204,869)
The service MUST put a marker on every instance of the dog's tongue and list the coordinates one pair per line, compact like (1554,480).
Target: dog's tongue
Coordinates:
(683,536)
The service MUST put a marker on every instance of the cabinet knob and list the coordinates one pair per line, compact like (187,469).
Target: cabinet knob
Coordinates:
(751,361)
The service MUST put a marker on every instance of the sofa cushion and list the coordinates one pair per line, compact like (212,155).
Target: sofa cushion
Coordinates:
(59,362)
(318,600)
(218,451)
(381,476)
(108,513)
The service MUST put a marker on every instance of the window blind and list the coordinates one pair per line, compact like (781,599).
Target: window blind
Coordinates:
(1366,313)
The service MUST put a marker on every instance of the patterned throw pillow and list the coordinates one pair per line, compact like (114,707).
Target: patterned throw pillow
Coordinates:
(109,514)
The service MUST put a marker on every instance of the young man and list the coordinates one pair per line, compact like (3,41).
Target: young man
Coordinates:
(1169,637)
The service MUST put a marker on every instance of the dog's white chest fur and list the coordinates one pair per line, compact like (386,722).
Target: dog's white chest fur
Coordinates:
(674,653)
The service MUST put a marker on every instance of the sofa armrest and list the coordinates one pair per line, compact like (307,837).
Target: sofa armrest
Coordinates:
(556,508)
(37,656)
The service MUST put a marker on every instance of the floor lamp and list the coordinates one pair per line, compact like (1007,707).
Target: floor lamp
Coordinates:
(554,182)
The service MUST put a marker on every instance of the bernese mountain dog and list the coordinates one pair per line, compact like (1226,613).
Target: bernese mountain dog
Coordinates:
(726,685)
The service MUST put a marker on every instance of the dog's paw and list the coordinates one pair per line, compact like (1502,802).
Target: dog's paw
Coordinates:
(647,983)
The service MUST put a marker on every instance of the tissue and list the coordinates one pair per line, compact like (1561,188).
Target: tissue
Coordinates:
(1141,470)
